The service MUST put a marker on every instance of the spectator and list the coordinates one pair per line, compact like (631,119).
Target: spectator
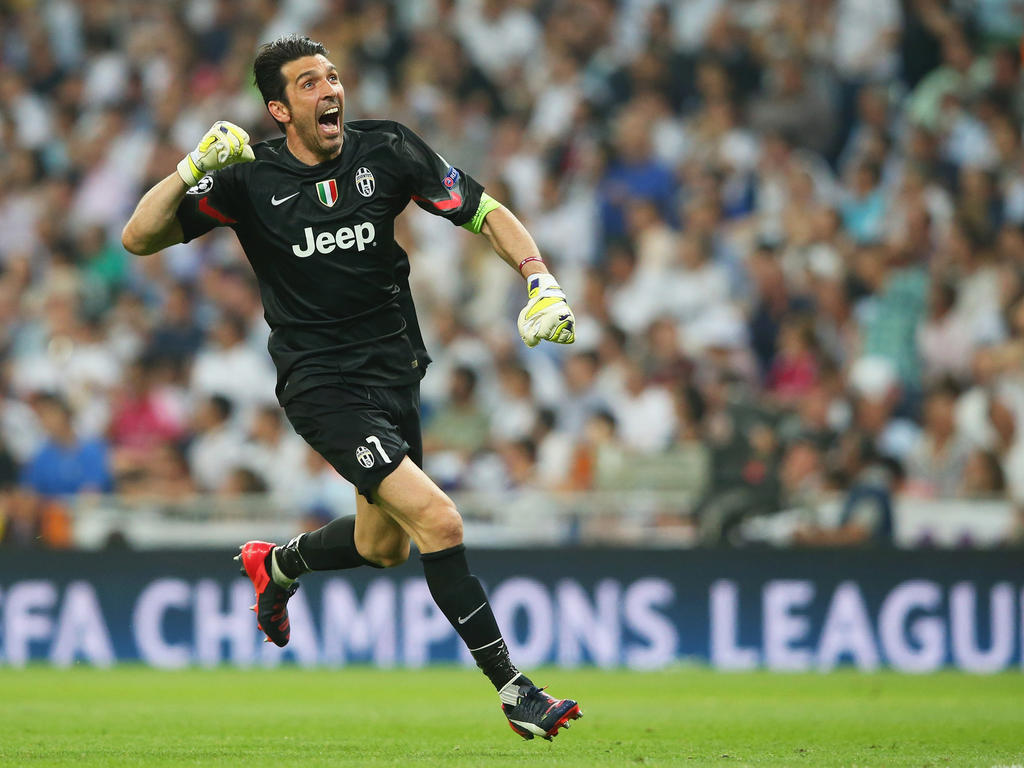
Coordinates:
(694,283)
(460,425)
(943,338)
(275,455)
(739,197)
(645,413)
(166,477)
(794,104)
(773,303)
(66,464)
(961,75)
(867,512)
(216,448)
(323,492)
(514,414)
(632,172)
(937,462)
(554,451)
(233,369)
(599,455)
(142,418)
(864,210)
(582,396)
(794,370)
(520,460)
(889,323)
(177,337)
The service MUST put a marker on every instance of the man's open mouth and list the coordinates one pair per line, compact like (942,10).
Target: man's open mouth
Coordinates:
(330,122)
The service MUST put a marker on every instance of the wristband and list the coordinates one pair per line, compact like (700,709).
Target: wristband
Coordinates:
(527,260)
(189,171)
(543,284)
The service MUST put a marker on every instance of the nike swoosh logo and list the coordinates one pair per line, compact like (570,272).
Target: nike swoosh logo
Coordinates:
(464,620)
(275,201)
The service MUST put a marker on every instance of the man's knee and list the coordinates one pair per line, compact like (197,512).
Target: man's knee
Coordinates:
(390,556)
(384,551)
(423,509)
(444,523)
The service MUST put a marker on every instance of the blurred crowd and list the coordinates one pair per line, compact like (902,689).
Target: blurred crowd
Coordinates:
(792,232)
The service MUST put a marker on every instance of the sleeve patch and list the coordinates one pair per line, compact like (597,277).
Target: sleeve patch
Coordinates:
(204,185)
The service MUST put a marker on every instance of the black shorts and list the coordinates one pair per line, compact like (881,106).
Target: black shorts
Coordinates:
(363,431)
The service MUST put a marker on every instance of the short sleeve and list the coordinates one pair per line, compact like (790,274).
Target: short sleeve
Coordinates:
(211,203)
(437,186)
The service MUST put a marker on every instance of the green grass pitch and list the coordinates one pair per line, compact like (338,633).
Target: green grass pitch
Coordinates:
(441,717)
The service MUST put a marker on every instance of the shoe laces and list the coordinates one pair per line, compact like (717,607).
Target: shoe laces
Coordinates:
(535,700)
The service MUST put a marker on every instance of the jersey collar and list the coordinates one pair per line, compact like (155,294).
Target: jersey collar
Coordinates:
(295,164)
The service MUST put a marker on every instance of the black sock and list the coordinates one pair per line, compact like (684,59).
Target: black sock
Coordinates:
(331,548)
(461,598)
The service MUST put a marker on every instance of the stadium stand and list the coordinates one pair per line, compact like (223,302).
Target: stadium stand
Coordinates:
(792,231)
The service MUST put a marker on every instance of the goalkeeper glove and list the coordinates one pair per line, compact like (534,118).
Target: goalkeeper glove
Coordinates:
(546,316)
(223,145)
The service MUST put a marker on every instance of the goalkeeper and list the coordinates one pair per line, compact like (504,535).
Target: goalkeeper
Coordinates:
(314,211)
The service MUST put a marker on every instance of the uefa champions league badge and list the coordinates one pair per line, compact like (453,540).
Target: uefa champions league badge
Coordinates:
(203,186)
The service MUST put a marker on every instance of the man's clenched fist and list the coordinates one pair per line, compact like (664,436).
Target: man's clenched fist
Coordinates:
(223,145)
(546,317)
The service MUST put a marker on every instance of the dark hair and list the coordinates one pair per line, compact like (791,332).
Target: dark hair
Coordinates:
(944,387)
(238,324)
(605,416)
(222,406)
(547,418)
(272,56)
(55,401)
(467,374)
(249,481)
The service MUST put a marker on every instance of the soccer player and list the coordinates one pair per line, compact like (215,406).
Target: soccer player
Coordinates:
(314,211)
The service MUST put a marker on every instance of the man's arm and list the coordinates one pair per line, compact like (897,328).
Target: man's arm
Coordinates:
(154,225)
(510,240)
(546,316)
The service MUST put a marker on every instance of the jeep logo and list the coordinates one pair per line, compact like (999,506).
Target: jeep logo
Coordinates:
(343,240)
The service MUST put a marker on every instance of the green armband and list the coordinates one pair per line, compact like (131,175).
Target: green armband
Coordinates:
(487,204)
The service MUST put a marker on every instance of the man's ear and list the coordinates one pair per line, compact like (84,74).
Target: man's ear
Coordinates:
(279,111)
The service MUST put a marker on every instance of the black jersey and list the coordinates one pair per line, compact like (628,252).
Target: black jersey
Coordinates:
(321,240)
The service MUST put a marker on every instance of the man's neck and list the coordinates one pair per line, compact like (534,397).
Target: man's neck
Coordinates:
(307,156)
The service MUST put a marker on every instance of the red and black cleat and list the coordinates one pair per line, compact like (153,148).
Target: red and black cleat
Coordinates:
(271,598)
(538,714)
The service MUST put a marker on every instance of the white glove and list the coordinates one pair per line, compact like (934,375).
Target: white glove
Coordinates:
(546,316)
(223,145)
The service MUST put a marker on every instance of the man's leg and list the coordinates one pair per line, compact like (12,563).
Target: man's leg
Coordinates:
(370,537)
(431,520)
(335,421)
